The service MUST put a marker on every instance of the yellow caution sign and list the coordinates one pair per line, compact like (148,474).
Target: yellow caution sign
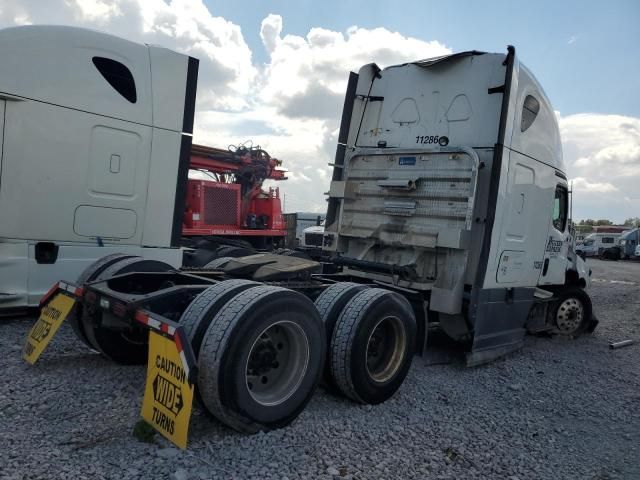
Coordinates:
(51,317)
(168,396)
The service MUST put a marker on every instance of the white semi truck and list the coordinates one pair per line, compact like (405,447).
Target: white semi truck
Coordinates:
(447,208)
(449,181)
(95,160)
(96,137)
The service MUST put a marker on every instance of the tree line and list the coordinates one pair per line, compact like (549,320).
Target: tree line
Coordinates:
(630,222)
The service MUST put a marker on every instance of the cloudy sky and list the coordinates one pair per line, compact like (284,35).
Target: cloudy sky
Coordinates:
(275,72)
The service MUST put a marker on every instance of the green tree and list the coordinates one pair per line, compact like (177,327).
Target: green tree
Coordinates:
(632,222)
(604,221)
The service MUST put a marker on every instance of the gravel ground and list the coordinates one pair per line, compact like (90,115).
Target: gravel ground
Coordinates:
(556,409)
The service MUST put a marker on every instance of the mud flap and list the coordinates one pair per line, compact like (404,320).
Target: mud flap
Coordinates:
(55,307)
(168,393)
(499,320)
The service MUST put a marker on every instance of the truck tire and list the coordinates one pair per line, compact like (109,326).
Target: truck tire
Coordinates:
(207,251)
(197,317)
(218,263)
(372,346)
(261,359)
(572,313)
(89,274)
(199,257)
(330,304)
(125,346)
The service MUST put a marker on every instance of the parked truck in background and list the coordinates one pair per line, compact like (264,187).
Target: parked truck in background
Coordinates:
(300,222)
(448,208)
(595,243)
(629,242)
(311,240)
(96,156)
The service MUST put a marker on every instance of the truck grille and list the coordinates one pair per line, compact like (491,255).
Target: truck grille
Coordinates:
(220,206)
(313,239)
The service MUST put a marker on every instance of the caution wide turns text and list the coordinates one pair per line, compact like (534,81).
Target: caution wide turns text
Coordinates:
(51,317)
(168,396)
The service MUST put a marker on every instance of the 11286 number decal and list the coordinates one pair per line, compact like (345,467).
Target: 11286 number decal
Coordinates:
(430,139)
(427,139)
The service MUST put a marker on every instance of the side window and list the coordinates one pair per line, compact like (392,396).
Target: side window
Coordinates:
(118,76)
(607,239)
(560,208)
(530,111)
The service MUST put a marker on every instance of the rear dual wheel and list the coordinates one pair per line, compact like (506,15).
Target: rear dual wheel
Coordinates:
(260,358)
(89,274)
(371,335)
(196,319)
(372,345)
(330,304)
(123,343)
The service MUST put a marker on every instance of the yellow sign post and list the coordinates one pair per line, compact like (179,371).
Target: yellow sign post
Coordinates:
(168,395)
(51,317)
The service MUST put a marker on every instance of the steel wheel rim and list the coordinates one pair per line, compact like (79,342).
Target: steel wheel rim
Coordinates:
(386,348)
(277,363)
(569,315)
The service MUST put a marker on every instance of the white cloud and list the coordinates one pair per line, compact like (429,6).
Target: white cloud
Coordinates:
(303,87)
(270,31)
(99,11)
(226,69)
(314,69)
(291,104)
(581,183)
(602,153)
(572,39)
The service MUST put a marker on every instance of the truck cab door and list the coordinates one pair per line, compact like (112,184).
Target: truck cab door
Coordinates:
(555,262)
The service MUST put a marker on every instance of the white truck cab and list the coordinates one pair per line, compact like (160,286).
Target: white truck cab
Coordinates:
(449,180)
(311,237)
(91,127)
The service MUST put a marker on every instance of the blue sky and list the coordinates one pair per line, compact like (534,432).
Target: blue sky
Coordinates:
(585,53)
(274,72)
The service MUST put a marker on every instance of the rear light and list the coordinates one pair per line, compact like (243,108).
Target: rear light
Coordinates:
(119,309)
(47,295)
(90,297)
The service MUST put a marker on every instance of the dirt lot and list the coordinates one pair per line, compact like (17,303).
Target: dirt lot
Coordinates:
(556,409)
